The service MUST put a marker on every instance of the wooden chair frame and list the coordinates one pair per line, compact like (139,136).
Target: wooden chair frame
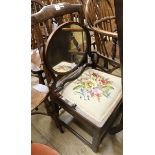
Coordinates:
(97,133)
(56,102)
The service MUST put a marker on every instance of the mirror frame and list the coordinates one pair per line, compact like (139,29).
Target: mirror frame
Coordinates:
(86,52)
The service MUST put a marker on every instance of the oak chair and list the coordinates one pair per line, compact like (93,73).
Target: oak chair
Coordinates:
(86,91)
(100,16)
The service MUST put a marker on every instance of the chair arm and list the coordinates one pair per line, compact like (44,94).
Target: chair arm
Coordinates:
(60,84)
(106,58)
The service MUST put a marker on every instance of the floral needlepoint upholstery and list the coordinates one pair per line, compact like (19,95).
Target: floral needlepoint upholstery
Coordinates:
(95,93)
(64,66)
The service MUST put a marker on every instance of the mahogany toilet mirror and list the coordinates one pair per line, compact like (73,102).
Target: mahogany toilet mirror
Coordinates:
(67,48)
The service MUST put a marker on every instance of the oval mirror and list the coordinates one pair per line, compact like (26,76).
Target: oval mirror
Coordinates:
(66,47)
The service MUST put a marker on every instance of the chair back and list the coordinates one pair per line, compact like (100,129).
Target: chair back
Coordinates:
(100,16)
(68,52)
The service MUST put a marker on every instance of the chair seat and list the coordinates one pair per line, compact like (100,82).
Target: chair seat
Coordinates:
(95,93)
(38,94)
(64,66)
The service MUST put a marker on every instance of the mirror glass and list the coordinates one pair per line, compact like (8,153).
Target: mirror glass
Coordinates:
(66,47)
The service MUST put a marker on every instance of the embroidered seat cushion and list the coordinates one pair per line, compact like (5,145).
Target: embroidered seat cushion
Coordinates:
(95,93)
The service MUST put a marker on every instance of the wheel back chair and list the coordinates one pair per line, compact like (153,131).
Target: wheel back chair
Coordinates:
(92,95)
(100,16)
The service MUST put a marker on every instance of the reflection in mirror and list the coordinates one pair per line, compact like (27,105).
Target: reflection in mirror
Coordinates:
(66,48)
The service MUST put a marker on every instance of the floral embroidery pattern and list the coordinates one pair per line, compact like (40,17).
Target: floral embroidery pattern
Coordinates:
(93,85)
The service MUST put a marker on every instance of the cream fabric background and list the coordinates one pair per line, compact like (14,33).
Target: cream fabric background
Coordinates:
(94,108)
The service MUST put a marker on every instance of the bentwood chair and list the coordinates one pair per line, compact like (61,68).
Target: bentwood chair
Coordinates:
(92,95)
(100,16)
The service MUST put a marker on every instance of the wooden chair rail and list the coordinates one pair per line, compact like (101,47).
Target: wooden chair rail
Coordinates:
(50,11)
